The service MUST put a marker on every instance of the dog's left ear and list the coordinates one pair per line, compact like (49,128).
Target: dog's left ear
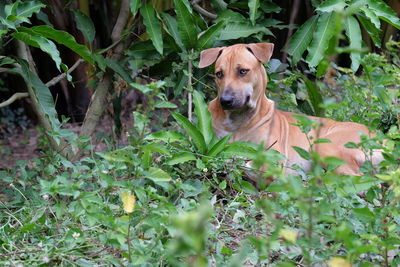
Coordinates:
(209,56)
(262,51)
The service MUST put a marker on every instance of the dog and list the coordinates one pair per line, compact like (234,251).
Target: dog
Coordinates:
(243,110)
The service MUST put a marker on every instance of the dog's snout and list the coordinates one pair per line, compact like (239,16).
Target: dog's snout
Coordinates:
(227,101)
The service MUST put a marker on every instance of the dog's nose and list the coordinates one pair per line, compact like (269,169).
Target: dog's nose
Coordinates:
(226,101)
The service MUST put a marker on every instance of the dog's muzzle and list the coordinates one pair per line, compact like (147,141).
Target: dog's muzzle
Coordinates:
(229,101)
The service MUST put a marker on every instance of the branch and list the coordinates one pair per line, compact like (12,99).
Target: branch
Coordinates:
(121,21)
(13,98)
(202,11)
(58,78)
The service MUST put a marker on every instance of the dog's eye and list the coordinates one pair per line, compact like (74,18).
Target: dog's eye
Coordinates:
(219,74)
(243,72)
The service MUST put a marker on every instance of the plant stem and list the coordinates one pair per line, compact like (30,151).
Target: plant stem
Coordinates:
(129,240)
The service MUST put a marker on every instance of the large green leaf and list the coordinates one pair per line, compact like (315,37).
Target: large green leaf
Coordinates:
(332,5)
(135,5)
(42,93)
(19,12)
(253,6)
(240,30)
(116,67)
(153,26)
(85,25)
(301,39)
(31,38)
(203,116)
(181,158)
(239,149)
(325,30)
(372,31)
(384,12)
(208,38)
(172,29)
(193,132)
(144,50)
(371,16)
(157,175)
(64,38)
(219,146)
(353,32)
(168,136)
(314,95)
(186,23)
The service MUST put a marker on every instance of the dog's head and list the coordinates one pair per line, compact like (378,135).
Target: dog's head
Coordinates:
(239,74)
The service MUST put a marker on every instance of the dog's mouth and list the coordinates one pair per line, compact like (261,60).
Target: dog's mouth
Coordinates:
(234,103)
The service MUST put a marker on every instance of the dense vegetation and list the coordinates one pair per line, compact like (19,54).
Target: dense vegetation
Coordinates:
(165,190)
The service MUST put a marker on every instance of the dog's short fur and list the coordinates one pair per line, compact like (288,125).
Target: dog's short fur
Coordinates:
(242,109)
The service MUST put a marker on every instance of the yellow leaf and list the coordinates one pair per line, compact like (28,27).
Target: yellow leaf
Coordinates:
(338,262)
(128,202)
(288,235)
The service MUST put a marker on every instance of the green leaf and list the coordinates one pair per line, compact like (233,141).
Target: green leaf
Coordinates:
(168,136)
(364,214)
(353,32)
(165,104)
(371,16)
(181,158)
(42,93)
(186,23)
(314,95)
(326,28)
(135,5)
(193,132)
(112,64)
(222,185)
(332,5)
(302,152)
(208,38)
(253,6)
(157,175)
(219,146)
(239,149)
(144,50)
(31,38)
(203,116)
(153,26)
(66,39)
(241,30)
(19,12)
(172,29)
(372,31)
(301,39)
(384,12)
(85,25)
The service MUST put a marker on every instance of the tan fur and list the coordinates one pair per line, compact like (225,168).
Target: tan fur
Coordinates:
(259,121)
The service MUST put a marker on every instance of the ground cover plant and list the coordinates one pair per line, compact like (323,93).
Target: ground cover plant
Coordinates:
(173,194)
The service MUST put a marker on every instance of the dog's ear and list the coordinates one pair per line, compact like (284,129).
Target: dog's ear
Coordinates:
(209,56)
(262,51)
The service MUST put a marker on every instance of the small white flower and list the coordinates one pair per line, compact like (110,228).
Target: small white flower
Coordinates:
(104,171)
(76,235)
(205,170)
(45,197)
(46,259)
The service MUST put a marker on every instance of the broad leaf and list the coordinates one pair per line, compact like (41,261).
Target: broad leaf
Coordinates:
(42,93)
(314,95)
(116,67)
(186,23)
(208,38)
(301,39)
(240,30)
(384,12)
(135,5)
(332,5)
(181,158)
(373,32)
(168,136)
(157,175)
(353,32)
(371,16)
(239,149)
(153,26)
(66,39)
(302,152)
(203,116)
(219,146)
(85,25)
(253,6)
(193,132)
(172,29)
(19,12)
(31,38)
(144,50)
(325,29)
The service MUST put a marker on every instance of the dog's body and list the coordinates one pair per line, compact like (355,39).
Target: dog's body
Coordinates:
(242,109)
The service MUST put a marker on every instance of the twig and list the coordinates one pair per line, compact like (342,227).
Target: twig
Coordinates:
(293,15)
(13,98)
(121,21)
(190,101)
(202,11)
(58,78)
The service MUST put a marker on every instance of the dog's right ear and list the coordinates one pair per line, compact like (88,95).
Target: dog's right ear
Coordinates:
(209,56)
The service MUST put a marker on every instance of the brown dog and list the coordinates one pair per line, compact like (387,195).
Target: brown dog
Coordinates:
(241,108)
